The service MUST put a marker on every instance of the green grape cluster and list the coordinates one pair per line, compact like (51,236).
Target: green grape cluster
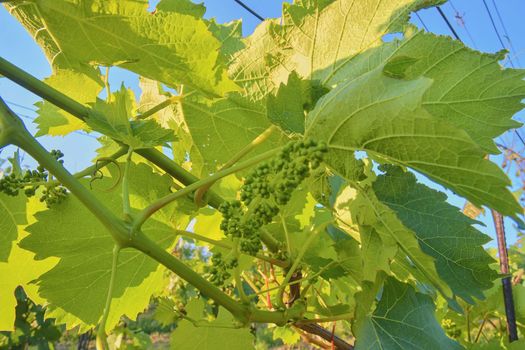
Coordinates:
(31,180)
(53,195)
(278,178)
(451,328)
(13,184)
(219,269)
(266,189)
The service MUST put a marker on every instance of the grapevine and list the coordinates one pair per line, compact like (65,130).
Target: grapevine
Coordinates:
(266,184)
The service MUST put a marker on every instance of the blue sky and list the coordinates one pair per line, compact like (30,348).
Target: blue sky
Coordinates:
(468,17)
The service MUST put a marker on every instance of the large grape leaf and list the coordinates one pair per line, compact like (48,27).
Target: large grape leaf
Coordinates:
(12,215)
(403,320)
(470,89)
(20,270)
(169,46)
(78,283)
(217,335)
(384,237)
(315,38)
(333,41)
(442,230)
(383,116)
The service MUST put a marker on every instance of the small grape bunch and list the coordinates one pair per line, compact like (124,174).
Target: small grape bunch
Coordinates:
(219,270)
(31,180)
(451,328)
(266,190)
(278,178)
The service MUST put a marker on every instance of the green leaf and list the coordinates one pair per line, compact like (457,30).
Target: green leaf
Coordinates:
(20,270)
(215,335)
(403,319)
(324,35)
(170,118)
(182,6)
(165,312)
(83,85)
(111,119)
(293,223)
(230,36)
(383,237)
(222,127)
(207,223)
(169,46)
(470,89)
(442,230)
(398,66)
(258,68)
(365,300)
(383,116)
(78,284)
(286,334)
(349,258)
(286,108)
(317,39)
(12,215)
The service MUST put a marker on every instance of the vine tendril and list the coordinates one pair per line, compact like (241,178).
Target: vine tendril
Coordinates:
(98,175)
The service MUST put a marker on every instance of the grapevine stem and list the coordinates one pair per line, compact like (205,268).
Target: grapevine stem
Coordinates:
(467,320)
(267,285)
(237,272)
(43,90)
(117,228)
(168,102)
(19,136)
(269,241)
(162,202)
(480,330)
(177,172)
(199,194)
(82,112)
(204,323)
(126,206)
(101,332)
(344,316)
(286,234)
